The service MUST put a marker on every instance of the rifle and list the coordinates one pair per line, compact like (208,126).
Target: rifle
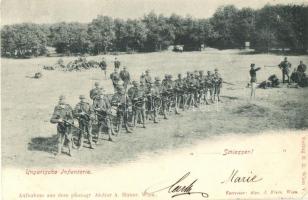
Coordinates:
(65,121)
(228,83)
(270,66)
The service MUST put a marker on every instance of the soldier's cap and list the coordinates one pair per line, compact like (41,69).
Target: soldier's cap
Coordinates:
(61,97)
(150,82)
(82,97)
(157,78)
(201,71)
(134,82)
(124,67)
(170,76)
(96,83)
(252,65)
(216,70)
(179,74)
(147,70)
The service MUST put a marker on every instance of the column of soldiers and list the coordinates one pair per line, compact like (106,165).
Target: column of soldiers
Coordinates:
(131,105)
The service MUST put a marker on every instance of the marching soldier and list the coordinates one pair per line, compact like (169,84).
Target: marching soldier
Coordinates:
(122,101)
(166,90)
(95,91)
(63,117)
(179,92)
(137,95)
(102,108)
(147,77)
(115,78)
(209,85)
(217,81)
(285,68)
(103,66)
(152,94)
(125,76)
(116,63)
(84,113)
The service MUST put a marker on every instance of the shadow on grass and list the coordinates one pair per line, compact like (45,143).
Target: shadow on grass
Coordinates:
(46,144)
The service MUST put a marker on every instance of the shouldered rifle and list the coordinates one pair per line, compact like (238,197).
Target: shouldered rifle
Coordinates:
(67,122)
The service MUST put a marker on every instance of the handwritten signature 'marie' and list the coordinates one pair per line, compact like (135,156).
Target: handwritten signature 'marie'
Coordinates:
(178,188)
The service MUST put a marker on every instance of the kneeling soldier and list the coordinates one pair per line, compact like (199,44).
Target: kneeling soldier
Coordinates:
(85,115)
(63,117)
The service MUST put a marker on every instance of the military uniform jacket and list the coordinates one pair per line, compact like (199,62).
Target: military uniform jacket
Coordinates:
(86,108)
(94,92)
(125,76)
(285,66)
(117,64)
(179,85)
(115,77)
(65,113)
(301,68)
(120,100)
(102,105)
(148,79)
(217,80)
(103,65)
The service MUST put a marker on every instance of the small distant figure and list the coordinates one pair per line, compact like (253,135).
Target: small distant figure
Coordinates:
(253,80)
(217,80)
(38,75)
(117,63)
(125,76)
(301,69)
(63,117)
(285,68)
(103,66)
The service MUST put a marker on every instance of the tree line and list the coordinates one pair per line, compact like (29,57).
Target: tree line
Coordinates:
(279,26)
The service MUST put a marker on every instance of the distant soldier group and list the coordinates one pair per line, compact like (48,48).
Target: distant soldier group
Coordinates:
(132,103)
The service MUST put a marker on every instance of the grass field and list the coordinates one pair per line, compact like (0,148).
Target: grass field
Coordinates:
(28,138)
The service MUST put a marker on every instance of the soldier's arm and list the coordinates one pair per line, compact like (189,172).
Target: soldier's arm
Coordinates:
(55,116)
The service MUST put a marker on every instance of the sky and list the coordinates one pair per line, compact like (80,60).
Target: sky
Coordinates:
(52,11)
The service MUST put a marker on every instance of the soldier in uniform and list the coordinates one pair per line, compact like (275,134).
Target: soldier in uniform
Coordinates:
(253,79)
(209,85)
(301,69)
(217,81)
(102,108)
(137,96)
(166,89)
(83,111)
(142,78)
(116,63)
(147,77)
(152,94)
(122,101)
(63,117)
(179,93)
(115,78)
(125,76)
(95,91)
(103,66)
(285,68)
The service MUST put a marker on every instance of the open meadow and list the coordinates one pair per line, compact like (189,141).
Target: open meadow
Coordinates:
(29,139)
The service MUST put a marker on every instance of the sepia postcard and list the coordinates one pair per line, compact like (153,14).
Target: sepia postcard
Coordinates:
(154,99)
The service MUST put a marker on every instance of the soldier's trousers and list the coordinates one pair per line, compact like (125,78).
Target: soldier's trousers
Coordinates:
(64,133)
(122,119)
(139,113)
(285,74)
(105,121)
(86,128)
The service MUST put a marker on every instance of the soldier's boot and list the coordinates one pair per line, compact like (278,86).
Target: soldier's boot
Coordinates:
(70,148)
(80,143)
(59,149)
(92,146)
(127,128)
(109,135)
(143,121)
